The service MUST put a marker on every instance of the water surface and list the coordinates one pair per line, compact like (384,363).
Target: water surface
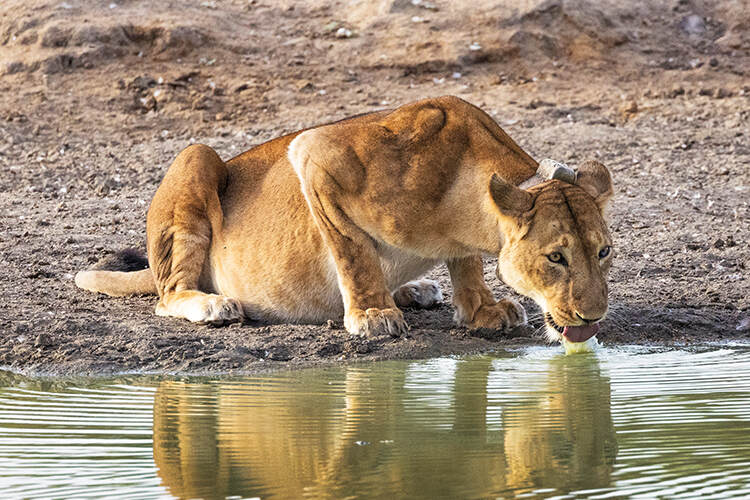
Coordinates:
(626,422)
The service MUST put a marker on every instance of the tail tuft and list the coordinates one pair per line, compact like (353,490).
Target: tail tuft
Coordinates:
(125,261)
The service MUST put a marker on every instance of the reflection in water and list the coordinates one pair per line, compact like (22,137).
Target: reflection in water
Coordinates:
(577,449)
(440,428)
(524,423)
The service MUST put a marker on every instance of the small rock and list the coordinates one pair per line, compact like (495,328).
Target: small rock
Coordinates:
(628,108)
(424,5)
(331,324)
(538,103)
(713,62)
(693,24)
(42,340)
(142,82)
(305,86)
(201,102)
(743,325)
(676,90)
(344,33)
(14,67)
(330,27)
(146,104)
(722,93)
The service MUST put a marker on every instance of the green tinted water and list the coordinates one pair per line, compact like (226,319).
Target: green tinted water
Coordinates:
(627,422)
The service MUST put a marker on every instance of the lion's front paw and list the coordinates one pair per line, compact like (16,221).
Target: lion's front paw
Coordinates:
(374,322)
(503,315)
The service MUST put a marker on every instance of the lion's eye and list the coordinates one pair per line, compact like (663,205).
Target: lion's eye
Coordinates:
(604,252)
(557,258)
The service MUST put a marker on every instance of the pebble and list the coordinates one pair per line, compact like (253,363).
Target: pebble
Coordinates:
(676,90)
(628,108)
(693,24)
(344,33)
(42,340)
(305,86)
(743,325)
(722,93)
(424,5)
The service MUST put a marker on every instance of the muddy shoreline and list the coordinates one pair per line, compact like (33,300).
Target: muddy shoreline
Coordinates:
(92,112)
(144,343)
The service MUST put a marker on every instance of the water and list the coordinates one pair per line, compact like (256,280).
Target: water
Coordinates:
(627,422)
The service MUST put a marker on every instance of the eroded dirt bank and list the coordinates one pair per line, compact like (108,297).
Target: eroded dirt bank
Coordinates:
(95,102)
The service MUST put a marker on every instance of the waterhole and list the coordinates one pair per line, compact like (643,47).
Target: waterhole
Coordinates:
(625,422)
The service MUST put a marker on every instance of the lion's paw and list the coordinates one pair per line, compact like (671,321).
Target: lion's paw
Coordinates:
(204,309)
(374,322)
(503,315)
(221,310)
(420,293)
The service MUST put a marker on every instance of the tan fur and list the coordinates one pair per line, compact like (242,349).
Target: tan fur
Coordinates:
(333,220)
(116,283)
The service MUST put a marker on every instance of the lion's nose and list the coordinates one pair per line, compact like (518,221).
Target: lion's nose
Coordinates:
(588,320)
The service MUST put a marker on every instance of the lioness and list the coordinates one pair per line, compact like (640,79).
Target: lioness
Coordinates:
(340,218)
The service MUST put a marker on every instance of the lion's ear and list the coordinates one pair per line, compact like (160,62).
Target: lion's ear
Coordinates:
(509,199)
(596,180)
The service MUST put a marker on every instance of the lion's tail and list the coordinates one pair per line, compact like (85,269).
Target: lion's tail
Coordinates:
(125,273)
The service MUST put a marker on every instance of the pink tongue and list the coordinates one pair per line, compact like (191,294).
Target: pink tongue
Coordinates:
(580,333)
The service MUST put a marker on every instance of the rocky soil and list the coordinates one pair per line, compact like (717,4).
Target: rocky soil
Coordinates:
(97,98)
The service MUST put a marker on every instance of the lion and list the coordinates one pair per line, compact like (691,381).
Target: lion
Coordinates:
(343,219)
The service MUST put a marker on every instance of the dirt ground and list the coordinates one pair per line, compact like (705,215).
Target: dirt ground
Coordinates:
(97,98)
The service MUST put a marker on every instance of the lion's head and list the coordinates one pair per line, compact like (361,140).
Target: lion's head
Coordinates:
(557,249)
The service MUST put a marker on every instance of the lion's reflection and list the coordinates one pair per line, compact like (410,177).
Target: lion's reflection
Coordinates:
(360,430)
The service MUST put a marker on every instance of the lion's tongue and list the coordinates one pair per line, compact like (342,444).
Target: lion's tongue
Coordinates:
(580,333)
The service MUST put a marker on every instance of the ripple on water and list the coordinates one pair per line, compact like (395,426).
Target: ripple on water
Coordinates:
(636,422)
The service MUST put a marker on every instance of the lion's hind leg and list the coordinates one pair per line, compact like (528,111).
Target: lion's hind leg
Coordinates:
(184,215)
